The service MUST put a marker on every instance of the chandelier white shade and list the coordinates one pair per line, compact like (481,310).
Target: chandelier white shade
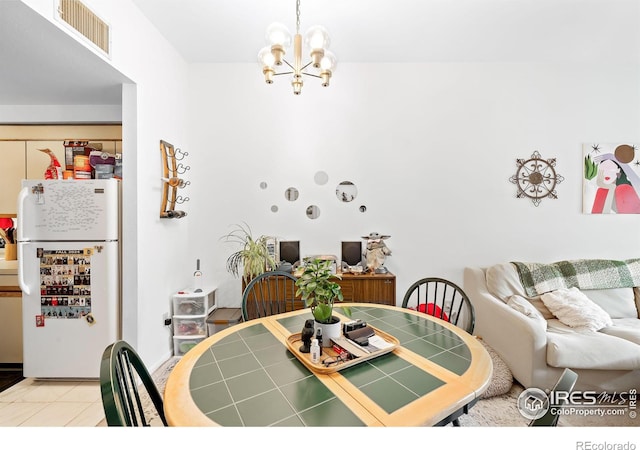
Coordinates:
(316,43)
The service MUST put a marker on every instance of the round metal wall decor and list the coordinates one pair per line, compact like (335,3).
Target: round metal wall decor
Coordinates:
(536,178)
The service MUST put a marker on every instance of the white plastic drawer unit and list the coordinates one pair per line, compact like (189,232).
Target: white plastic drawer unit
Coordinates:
(190,325)
(192,306)
(182,344)
(190,312)
(193,303)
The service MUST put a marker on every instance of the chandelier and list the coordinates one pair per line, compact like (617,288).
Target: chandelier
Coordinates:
(316,41)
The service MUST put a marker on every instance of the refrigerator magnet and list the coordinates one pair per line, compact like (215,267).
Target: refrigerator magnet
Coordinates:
(39,320)
(90,319)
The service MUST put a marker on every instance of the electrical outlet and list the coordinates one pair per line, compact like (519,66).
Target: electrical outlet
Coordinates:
(166,319)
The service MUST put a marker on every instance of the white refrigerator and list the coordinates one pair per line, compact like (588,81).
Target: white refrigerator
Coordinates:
(69,273)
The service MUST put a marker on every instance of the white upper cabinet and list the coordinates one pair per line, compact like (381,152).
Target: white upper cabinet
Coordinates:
(21,158)
(13,169)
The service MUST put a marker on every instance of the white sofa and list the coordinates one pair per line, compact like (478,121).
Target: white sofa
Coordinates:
(537,346)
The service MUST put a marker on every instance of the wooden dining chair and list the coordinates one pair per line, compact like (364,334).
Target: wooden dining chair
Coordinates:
(270,293)
(125,385)
(445,300)
(442,299)
(565,383)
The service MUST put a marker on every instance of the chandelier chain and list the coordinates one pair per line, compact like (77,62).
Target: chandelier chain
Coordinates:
(297,16)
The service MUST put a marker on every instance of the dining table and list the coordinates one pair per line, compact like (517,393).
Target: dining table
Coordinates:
(248,375)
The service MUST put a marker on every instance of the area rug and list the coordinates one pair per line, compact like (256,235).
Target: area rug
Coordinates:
(162,373)
(496,411)
(160,379)
(501,379)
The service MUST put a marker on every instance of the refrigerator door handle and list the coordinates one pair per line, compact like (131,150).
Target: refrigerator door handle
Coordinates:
(23,285)
(22,196)
(24,193)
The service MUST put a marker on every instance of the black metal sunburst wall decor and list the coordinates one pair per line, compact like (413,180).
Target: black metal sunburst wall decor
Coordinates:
(536,178)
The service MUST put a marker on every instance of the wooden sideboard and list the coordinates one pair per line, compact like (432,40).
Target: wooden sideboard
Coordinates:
(369,288)
(366,288)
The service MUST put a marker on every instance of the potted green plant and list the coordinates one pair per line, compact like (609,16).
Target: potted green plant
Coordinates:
(254,256)
(319,292)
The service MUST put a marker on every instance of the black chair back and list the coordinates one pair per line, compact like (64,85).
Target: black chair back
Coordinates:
(125,385)
(443,299)
(272,292)
(565,383)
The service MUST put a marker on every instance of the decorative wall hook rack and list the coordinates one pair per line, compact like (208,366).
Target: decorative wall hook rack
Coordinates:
(180,155)
(176,182)
(182,168)
(171,182)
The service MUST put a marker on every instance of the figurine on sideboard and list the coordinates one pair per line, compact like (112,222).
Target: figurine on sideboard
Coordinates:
(376,252)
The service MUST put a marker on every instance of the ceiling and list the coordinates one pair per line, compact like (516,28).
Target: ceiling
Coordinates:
(362,31)
(42,66)
(374,31)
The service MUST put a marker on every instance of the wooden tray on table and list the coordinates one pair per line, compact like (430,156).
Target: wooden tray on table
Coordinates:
(328,353)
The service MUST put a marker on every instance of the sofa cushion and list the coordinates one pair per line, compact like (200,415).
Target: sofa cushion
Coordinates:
(503,281)
(524,306)
(589,349)
(573,308)
(619,303)
(628,329)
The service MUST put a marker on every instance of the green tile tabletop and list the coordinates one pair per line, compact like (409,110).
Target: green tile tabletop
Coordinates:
(246,376)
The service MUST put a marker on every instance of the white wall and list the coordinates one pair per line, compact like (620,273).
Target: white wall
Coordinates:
(153,108)
(430,147)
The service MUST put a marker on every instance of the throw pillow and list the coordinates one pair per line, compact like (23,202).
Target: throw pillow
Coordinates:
(432,310)
(573,308)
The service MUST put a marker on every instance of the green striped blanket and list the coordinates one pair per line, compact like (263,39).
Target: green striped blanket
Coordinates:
(539,278)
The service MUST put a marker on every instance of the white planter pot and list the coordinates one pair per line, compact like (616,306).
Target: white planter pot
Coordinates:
(329,330)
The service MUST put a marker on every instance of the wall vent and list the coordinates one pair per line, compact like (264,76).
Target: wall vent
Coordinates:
(83,20)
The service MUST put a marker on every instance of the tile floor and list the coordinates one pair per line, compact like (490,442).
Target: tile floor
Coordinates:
(44,403)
